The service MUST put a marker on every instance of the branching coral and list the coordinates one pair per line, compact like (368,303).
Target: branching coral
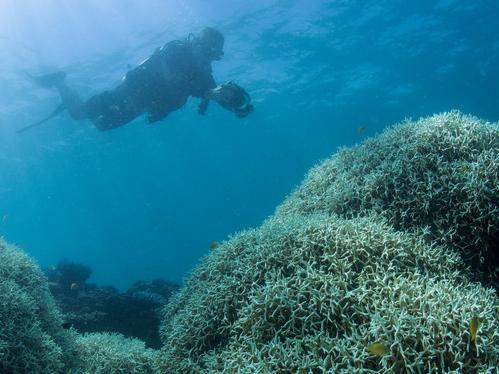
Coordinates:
(31,337)
(106,353)
(362,252)
(439,175)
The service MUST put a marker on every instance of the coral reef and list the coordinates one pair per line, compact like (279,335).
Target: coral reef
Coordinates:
(32,336)
(105,353)
(67,273)
(374,246)
(32,339)
(437,175)
(381,261)
(91,308)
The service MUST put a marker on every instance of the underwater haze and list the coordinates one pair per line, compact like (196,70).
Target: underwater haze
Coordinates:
(145,201)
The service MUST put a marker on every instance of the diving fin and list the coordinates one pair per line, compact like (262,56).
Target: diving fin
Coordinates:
(54,113)
(48,80)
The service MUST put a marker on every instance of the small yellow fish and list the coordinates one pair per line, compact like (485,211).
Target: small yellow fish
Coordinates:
(378,349)
(74,286)
(474,325)
(214,244)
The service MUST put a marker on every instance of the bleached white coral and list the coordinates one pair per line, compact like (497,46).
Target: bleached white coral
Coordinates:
(110,353)
(31,337)
(312,292)
(363,251)
(438,175)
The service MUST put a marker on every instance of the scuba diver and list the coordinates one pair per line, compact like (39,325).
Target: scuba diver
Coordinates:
(158,86)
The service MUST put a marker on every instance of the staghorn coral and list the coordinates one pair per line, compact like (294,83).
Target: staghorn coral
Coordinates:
(31,337)
(312,292)
(363,251)
(438,175)
(111,353)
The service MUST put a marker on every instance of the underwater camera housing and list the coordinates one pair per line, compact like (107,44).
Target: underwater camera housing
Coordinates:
(234,98)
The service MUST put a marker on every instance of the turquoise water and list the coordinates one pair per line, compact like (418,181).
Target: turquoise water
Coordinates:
(144,202)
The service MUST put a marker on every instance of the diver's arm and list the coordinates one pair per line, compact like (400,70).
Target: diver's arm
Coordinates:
(203,106)
(210,94)
(206,90)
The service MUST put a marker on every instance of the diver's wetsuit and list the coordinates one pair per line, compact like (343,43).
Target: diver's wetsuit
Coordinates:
(158,86)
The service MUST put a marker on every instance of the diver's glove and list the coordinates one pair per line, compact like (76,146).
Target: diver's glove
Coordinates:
(234,98)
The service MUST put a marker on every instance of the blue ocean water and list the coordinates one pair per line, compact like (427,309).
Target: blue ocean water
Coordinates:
(145,201)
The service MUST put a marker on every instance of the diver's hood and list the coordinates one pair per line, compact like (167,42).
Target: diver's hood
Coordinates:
(235,99)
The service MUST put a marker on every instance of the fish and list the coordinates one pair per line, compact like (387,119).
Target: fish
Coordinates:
(214,244)
(378,349)
(474,325)
(360,129)
(74,286)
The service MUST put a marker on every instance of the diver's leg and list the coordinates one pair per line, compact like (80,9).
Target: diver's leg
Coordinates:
(70,99)
(111,109)
(48,80)
(72,102)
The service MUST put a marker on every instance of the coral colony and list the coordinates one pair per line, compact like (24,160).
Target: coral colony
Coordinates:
(383,260)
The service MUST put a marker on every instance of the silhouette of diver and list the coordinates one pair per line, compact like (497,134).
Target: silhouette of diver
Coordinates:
(158,86)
